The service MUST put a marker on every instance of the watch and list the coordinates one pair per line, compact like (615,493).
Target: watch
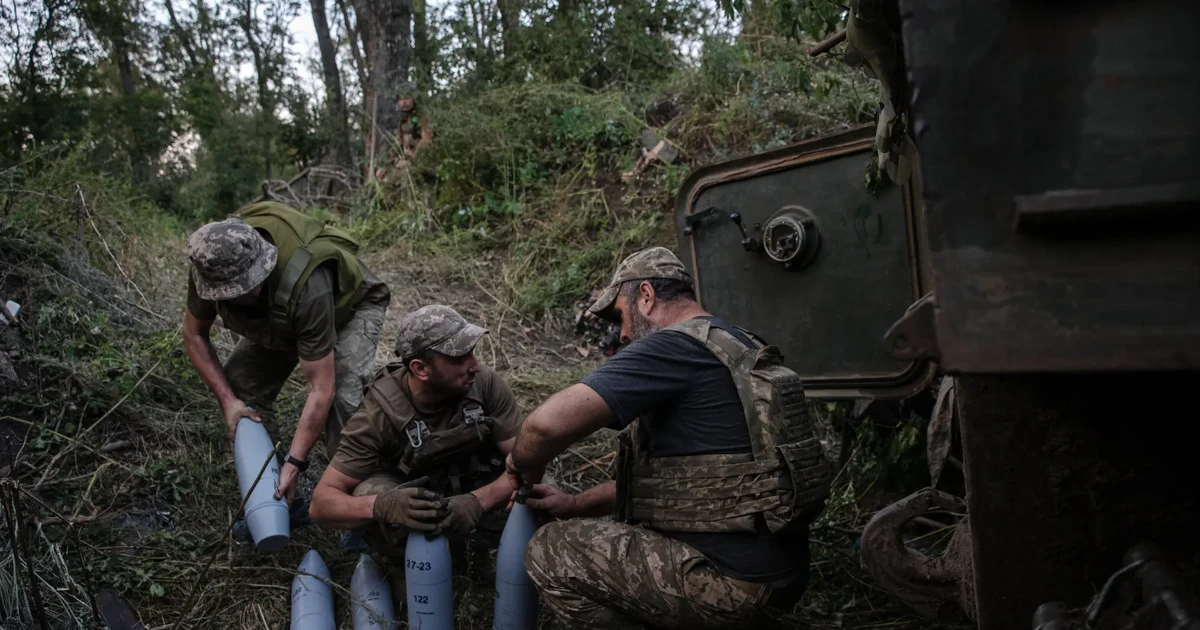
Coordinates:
(298,463)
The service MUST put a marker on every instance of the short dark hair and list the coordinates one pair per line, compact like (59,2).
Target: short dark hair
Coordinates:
(665,289)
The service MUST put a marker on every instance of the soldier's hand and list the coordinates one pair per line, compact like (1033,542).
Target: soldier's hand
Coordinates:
(549,499)
(518,477)
(417,509)
(234,412)
(462,514)
(287,482)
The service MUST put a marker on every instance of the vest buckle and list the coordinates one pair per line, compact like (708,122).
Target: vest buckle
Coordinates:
(472,414)
(415,431)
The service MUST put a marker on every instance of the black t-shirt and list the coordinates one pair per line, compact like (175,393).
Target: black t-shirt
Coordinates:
(689,405)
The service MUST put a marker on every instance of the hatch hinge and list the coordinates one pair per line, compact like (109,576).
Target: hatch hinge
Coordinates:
(914,335)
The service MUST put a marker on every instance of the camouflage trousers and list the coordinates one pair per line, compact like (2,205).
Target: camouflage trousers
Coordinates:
(603,574)
(257,374)
(390,541)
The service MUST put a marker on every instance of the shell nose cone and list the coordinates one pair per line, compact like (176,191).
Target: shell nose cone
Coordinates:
(313,564)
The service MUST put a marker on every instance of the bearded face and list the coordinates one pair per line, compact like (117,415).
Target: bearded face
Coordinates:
(640,325)
(451,377)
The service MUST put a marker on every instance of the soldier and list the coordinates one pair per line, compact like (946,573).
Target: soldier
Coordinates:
(719,463)
(413,133)
(296,292)
(426,449)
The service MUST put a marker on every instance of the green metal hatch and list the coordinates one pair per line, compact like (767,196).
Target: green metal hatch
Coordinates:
(818,265)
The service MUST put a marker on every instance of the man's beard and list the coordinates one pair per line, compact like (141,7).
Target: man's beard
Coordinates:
(640,326)
(445,388)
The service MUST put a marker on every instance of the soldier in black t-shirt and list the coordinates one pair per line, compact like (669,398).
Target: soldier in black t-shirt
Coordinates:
(683,570)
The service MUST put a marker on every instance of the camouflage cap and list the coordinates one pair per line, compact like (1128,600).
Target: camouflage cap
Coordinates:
(229,258)
(648,264)
(439,328)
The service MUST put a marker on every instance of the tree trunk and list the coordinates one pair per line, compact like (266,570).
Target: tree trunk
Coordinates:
(756,21)
(352,36)
(110,23)
(422,55)
(390,57)
(510,21)
(510,27)
(334,99)
(137,153)
(265,104)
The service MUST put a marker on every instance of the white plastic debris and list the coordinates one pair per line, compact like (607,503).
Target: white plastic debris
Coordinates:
(13,308)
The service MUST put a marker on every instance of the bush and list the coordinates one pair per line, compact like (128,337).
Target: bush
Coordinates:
(507,141)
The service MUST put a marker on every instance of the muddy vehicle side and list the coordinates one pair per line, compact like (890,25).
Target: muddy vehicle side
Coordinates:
(1039,243)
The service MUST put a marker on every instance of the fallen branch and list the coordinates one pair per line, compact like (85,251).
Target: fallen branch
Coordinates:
(71,447)
(828,44)
(87,447)
(74,520)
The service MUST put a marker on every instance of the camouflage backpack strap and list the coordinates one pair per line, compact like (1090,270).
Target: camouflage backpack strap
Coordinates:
(733,354)
(282,297)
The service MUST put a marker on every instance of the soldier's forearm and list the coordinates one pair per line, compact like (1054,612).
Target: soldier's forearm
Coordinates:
(495,494)
(203,357)
(335,508)
(597,500)
(311,424)
(564,419)
(320,375)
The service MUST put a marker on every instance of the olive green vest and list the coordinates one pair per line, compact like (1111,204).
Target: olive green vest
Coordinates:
(303,244)
(458,456)
(784,479)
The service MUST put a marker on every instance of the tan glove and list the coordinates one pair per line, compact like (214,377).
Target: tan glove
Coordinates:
(462,514)
(417,509)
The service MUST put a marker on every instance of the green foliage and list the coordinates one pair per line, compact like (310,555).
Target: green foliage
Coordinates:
(597,43)
(508,140)
(794,18)
(749,98)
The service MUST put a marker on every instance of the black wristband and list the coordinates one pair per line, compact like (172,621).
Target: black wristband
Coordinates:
(298,463)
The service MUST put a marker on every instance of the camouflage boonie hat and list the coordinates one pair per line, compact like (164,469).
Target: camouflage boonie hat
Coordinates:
(229,258)
(648,264)
(439,328)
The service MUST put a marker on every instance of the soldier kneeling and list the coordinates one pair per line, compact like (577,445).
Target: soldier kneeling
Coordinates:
(425,450)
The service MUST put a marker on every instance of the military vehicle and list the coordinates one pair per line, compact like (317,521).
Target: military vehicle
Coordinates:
(1040,245)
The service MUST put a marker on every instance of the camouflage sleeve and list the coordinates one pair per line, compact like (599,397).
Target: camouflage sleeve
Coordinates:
(501,406)
(364,441)
(316,332)
(202,310)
